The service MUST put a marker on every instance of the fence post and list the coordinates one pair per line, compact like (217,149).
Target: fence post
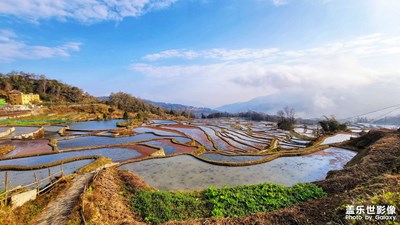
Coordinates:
(6,189)
(49,175)
(62,169)
(36,181)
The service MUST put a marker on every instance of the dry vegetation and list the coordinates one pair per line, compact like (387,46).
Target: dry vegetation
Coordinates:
(6,149)
(27,213)
(101,161)
(106,200)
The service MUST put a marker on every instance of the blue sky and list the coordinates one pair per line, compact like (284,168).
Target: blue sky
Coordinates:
(330,54)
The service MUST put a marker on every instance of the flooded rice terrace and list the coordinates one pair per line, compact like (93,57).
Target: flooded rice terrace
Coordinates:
(216,141)
(186,172)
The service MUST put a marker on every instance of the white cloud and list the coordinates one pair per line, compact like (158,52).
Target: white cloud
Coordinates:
(361,47)
(354,75)
(12,48)
(86,11)
(216,53)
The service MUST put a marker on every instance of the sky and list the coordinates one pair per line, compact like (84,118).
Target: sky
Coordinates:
(333,57)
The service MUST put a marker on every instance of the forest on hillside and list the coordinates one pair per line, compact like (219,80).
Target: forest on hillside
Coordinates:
(49,90)
(52,91)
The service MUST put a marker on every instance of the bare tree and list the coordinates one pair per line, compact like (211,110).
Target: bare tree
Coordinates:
(290,114)
(286,118)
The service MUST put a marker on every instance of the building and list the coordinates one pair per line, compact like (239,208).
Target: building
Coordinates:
(18,98)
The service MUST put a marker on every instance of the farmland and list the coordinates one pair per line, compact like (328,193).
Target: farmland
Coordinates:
(189,156)
(220,142)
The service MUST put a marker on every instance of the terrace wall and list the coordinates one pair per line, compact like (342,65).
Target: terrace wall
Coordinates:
(7,132)
(63,130)
(32,135)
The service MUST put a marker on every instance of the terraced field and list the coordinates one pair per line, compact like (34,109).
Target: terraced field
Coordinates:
(221,142)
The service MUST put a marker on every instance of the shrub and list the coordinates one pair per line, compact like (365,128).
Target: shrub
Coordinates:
(332,125)
(243,200)
(285,124)
(161,206)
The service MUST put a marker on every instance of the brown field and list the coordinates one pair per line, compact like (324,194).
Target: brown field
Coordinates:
(26,147)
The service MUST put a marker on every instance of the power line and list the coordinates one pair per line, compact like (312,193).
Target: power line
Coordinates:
(378,110)
(381,116)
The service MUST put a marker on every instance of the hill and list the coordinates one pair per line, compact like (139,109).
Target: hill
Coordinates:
(196,110)
(392,120)
(265,104)
(49,90)
(76,104)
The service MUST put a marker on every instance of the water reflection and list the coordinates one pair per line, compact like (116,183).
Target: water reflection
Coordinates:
(186,172)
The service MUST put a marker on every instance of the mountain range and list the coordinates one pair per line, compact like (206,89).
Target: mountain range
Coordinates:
(266,104)
(196,110)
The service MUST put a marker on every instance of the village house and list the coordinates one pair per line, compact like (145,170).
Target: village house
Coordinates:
(18,98)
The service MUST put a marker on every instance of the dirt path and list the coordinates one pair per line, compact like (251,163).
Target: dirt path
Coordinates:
(58,210)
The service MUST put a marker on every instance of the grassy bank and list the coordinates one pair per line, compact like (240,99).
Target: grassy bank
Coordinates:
(29,122)
(101,161)
(162,206)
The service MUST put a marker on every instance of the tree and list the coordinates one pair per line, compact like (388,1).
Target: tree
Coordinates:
(286,118)
(140,115)
(332,125)
(290,114)
(126,116)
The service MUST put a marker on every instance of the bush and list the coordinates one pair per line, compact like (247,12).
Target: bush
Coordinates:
(285,125)
(332,125)
(243,200)
(161,206)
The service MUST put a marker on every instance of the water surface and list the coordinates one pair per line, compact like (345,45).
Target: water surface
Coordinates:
(168,148)
(116,154)
(24,130)
(26,177)
(102,140)
(95,125)
(164,121)
(218,157)
(187,173)
(338,138)
(156,131)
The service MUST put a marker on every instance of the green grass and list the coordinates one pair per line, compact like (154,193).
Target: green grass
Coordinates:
(162,206)
(19,122)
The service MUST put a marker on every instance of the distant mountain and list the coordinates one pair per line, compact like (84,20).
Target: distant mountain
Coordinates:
(266,104)
(103,98)
(196,110)
(392,120)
